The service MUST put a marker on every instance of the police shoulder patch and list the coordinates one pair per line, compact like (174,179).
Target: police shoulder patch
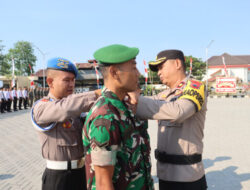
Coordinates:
(194,91)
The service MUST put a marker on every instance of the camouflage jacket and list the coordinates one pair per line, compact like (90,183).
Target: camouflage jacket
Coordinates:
(113,136)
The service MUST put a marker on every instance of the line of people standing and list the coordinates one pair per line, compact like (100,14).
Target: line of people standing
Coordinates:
(13,99)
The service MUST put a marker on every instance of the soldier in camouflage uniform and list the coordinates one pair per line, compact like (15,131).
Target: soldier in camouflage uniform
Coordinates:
(117,144)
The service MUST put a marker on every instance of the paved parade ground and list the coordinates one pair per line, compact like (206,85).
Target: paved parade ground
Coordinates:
(226,147)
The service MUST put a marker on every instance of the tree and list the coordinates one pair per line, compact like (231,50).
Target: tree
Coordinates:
(198,67)
(23,54)
(4,66)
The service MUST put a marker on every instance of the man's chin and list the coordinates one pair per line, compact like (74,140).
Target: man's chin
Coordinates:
(70,92)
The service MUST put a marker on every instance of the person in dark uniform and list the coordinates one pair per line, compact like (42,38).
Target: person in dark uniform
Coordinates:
(36,94)
(31,97)
(57,120)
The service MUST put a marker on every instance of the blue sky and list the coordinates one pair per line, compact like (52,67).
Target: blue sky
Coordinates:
(75,29)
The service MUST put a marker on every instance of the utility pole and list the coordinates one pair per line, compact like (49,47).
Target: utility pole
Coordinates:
(210,43)
(43,54)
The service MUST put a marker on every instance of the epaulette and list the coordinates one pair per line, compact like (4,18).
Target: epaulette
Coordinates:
(181,85)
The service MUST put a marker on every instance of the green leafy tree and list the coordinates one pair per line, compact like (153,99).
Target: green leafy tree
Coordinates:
(23,54)
(4,66)
(198,67)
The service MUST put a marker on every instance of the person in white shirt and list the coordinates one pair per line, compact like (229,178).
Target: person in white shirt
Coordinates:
(14,98)
(10,100)
(2,100)
(7,99)
(25,97)
(20,98)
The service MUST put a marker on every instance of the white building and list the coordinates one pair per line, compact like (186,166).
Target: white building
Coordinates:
(236,65)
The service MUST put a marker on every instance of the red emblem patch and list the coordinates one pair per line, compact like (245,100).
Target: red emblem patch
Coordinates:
(44,100)
(195,84)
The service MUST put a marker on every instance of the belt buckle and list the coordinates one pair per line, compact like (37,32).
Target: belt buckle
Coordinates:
(81,162)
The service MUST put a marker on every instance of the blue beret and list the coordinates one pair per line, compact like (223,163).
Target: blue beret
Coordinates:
(62,64)
(115,54)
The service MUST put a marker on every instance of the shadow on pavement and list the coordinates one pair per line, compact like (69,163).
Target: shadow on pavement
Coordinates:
(224,179)
(209,162)
(6,176)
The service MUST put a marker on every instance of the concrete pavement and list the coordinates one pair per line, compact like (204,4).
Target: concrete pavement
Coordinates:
(226,148)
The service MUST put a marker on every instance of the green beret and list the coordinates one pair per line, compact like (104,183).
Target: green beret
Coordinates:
(114,54)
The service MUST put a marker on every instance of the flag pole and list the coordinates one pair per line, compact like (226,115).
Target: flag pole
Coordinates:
(97,74)
(225,67)
(145,72)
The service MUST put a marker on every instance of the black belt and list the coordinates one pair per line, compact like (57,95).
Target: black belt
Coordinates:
(162,156)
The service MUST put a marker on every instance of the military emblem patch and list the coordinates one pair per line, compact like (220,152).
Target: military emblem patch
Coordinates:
(63,63)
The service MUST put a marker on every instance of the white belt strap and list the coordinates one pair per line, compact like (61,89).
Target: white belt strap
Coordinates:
(63,165)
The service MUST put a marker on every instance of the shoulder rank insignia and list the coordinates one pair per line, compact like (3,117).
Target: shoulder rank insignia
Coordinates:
(194,91)
(181,84)
(163,95)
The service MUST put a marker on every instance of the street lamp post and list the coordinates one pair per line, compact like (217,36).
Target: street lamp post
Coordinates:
(210,43)
(43,54)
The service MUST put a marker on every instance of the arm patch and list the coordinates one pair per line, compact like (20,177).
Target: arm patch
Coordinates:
(194,91)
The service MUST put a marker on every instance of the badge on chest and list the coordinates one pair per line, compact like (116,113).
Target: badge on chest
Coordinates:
(67,124)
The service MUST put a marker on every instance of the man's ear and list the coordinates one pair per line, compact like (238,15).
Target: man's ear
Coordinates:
(178,64)
(50,82)
(113,71)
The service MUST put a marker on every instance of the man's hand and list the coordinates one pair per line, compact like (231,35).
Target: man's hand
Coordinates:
(104,176)
(134,96)
(98,92)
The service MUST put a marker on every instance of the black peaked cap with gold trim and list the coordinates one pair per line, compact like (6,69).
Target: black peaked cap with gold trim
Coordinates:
(164,56)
